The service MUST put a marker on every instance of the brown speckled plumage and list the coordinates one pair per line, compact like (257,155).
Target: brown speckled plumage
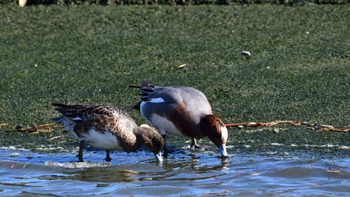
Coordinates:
(107,128)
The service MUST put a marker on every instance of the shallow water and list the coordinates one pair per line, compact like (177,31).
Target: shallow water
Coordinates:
(25,173)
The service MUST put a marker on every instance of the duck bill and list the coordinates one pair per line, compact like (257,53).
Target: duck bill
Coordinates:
(159,156)
(222,150)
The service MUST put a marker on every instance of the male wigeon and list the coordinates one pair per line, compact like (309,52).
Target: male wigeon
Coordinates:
(107,128)
(181,110)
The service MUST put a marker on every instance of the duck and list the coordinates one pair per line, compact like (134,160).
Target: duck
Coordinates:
(183,111)
(107,128)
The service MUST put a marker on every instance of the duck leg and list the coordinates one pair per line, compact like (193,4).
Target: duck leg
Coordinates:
(194,144)
(165,148)
(80,154)
(108,158)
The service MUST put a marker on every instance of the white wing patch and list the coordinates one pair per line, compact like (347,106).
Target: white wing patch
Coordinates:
(141,107)
(76,118)
(156,100)
(152,100)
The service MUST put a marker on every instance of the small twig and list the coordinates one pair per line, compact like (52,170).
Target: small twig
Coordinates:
(320,127)
(316,126)
(3,124)
(56,137)
(38,128)
(263,124)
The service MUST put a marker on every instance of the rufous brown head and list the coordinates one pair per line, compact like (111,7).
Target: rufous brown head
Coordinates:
(216,131)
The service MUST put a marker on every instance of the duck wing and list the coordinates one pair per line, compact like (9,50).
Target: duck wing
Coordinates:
(79,113)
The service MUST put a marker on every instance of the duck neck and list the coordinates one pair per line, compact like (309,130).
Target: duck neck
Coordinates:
(206,124)
(139,137)
(130,142)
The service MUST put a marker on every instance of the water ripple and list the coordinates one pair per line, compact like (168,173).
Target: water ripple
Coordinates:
(182,174)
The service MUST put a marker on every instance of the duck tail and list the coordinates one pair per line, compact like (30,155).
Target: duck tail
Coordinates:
(57,120)
(137,106)
(144,83)
(145,88)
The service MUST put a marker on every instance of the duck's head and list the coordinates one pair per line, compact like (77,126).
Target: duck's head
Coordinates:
(150,139)
(216,131)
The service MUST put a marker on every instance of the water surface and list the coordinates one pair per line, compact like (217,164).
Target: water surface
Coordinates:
(187,173)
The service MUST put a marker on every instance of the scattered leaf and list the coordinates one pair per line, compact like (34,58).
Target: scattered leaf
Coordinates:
(182,65)
(246,53)
(56,137)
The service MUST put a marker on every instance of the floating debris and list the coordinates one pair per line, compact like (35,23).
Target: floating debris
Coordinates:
(129,171)
(72,165)
(313,184)
(334,171)
(102,185)
(14,154)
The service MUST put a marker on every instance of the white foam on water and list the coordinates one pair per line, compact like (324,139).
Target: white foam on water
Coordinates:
(74,165)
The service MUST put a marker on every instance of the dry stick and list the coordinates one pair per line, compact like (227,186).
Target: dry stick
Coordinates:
(2,124)
(263,124)
(294,123)
(328,128)
(38,128)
